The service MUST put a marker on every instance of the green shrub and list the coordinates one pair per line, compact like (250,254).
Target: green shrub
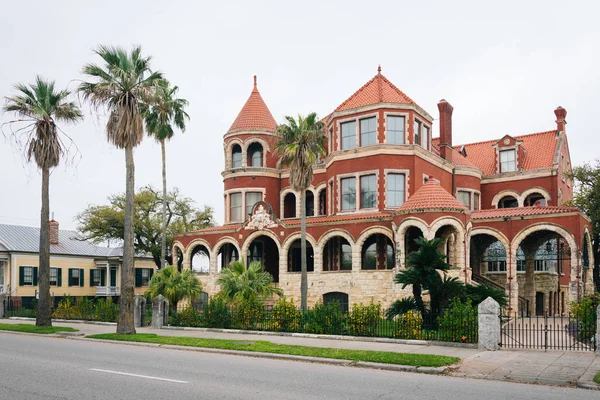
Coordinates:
(188,317)
(84,309)
(217,313)
(285,316)
(459,323)
(247,313)
(584,313)
(363,319)
(106,310)
(409,325)
(325,318)
(65,308)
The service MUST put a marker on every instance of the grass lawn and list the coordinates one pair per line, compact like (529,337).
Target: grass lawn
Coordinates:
(597,378)
(34,329)
(417,360)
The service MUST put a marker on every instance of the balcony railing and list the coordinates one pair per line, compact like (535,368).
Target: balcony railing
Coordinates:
(107,291)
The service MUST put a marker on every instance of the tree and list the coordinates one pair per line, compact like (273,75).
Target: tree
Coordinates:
(587,198)
(174,285)
(300,144)
(121,85)
(104,223)
(423,267)
(239,282)
(165,111)
(37,107)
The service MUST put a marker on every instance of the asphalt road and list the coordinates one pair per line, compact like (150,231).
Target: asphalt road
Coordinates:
(34,367)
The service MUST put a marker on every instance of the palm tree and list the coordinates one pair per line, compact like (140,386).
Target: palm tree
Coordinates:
(423,267)
(37,106)
(165,111)
(252,283)
(174,285)
(121,85)
(300,143)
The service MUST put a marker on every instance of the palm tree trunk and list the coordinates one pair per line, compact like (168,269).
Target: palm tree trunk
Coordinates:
(418,298)
(125,322)
(163,239)
(303,269)
(44,317)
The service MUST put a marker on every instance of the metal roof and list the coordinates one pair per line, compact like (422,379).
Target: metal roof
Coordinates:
(26,239)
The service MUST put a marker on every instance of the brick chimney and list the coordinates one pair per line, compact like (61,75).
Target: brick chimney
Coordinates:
(53,232)
(561,122)
(445,129)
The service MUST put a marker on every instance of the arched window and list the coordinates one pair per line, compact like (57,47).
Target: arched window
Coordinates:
(310,204)
(377,253)
(323,202)
(295,257)
(535,199)
(236,156)
(339,297)
(508,202)
(255,155)
(289,206)
(337,255)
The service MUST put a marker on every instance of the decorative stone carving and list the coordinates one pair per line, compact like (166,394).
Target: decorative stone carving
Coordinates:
(261,219)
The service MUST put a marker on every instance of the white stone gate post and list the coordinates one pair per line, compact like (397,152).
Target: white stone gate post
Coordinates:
(489,324)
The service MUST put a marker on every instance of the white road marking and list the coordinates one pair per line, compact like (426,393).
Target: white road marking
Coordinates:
(136,375)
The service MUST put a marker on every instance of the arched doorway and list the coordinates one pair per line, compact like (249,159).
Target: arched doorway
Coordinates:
(200,259)
(295,254)
(264,250)
(377,253)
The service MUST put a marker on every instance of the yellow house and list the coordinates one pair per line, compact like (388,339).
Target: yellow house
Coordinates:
(77,267)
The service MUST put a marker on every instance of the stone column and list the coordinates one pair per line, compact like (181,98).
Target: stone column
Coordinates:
(160,311)
(139,310)
(3,304)
(489,324)
(529,292)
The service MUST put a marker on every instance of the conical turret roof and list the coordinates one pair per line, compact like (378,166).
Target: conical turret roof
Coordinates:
(255,115)
(431,196)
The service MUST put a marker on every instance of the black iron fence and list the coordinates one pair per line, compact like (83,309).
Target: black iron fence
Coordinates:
(546,332)
(66,307)
(412,325)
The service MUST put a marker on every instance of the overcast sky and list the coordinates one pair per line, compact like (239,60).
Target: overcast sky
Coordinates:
(504,66)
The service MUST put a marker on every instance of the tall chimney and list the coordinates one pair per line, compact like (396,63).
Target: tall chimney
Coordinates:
(445,129)
(561,122)
(53,232)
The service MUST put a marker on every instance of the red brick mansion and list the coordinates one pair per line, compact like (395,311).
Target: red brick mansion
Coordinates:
(497,205)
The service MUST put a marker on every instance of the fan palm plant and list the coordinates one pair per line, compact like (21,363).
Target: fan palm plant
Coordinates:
(165,111)
(174,285)
(38,106)
(239,282)
(422,269)
(120,86)
(300,143)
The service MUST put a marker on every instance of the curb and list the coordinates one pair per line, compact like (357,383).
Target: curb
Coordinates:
(67,321)
(586,385)
(286,357)
(330,337)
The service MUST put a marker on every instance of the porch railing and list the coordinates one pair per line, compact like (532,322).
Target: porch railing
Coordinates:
(107,291)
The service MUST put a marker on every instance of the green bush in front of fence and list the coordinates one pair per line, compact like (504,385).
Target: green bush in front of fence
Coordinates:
(286,316)
(324,319)
(87,309)
(217,313)
(364,319)
(247,313)
(583,328)
(459,323)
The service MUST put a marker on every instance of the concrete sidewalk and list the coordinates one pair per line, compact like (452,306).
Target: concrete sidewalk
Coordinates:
(548,368)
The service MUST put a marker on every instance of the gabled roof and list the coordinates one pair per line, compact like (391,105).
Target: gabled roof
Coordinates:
(377,90)
(431,196)
(539,152)
(26,239)
(521,212)
(255,115)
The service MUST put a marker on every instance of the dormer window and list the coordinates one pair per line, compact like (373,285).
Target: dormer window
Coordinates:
(508,161)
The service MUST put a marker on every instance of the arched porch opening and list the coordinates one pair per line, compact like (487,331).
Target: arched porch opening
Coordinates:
(265,250)
(295,255)
(289,205)
(377,253)
(451,244)
(410,240)
(200,259)
(226,255)
(337,254)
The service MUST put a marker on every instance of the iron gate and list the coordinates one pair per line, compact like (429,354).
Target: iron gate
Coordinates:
(547,333)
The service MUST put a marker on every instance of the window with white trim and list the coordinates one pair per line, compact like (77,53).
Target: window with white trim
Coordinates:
(426,137)
(508,161)
(546,265)
(497,266)
(251,199)
(417,132)
(235,207)
(476,201)
(53,276)
(368,191)
(96,277)
(348,194)
(521,265)
(236,156)
(395,129)
(27,276)
(348,135)
(368,131)
(464,197)
(146,277)
(395,194)
(3,263)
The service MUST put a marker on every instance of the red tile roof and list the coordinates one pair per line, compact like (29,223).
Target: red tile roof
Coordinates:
(431,196)
(377,90)
(255,115)
(521,212)
(337,218)
(457,158)
(224,228)
(539,152)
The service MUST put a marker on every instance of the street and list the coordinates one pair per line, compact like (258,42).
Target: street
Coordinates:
(34,367)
